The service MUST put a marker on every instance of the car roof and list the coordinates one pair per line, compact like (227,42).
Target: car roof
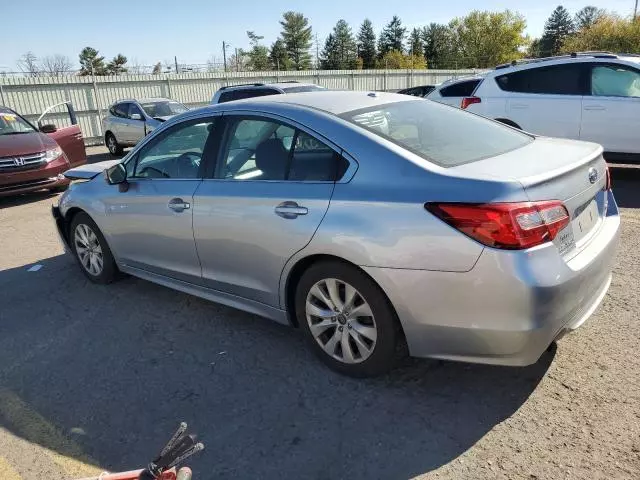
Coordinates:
(277,85)
(527,63)
(144,100)
(335,102)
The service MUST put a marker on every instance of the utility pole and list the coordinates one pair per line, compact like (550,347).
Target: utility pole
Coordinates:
(635,10)
(224,55)
(237,61)
(318,53)
(175,60)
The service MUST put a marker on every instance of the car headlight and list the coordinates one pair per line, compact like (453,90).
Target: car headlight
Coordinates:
(52,154)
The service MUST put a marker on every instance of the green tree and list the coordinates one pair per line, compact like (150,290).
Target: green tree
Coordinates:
(534,50)
(117,65)
(367,44)
(486,39)
(296,35)
(395,59)
(610,33)
(392,37)
(557,29)
(416,43)
(589,15)
(258,56)
(89,58)
(440,49)
(340,51)
(279,57)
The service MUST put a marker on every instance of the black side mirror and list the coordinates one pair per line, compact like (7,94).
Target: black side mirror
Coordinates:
(117,175)
(48,128)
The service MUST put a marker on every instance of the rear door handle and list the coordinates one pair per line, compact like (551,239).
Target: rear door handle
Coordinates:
(290,210)
(594,107)
(178,205)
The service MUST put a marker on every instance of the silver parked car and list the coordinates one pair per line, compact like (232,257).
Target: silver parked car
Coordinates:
(129,121)
(462,237)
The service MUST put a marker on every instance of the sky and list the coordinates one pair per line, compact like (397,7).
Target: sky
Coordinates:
(147,32)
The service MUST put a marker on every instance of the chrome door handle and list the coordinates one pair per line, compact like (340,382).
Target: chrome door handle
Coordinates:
(594,107)
(290,210)
(178,205)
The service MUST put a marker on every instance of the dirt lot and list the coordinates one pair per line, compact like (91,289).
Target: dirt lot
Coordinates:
(95,377)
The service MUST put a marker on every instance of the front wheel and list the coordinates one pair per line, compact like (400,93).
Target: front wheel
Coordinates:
(347,319)
(91,250)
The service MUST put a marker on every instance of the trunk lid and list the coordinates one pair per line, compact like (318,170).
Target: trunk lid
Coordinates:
(555,169)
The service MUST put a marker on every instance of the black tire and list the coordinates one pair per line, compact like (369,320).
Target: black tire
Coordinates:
(109,271)
(385,350)
(112,144)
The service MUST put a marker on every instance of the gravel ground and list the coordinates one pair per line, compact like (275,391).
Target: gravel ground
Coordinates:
(98,376)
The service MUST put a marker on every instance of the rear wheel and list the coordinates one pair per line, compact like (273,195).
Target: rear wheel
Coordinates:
(112,144)
(91,250)
(347,319)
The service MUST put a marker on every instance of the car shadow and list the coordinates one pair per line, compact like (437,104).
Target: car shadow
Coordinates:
(99,157)
(116,367)
(24,198)
(626,185)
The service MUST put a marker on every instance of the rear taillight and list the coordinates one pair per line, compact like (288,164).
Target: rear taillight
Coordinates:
(607,184)
(510,226)
(466,101)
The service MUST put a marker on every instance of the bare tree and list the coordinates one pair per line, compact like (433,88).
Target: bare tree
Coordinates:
(135,67)
(56,65)
(29,65)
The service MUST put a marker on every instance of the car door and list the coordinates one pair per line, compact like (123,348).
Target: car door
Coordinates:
(546,100)
(118,121)
(150,224)
(67,133)
(136,127)
(267,197)
(611,111)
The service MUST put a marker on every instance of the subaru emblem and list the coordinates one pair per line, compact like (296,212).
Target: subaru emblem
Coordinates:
(593,175)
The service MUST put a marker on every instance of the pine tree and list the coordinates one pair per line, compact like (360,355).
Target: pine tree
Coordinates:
(439,47)
(392,37)
(89,58)
(296,35)
(586,17)
(558,28)
(258,55)
(340,51)
(367,44)
(416,45)
(117,65)
(278,56)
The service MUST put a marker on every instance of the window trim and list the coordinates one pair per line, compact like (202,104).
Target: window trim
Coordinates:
(262,116)
(210,147)
(585,80)
(591,66)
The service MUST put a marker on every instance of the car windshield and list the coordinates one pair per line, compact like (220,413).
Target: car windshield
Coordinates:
(13,124)
(439,133)
(303,88)
(163,109)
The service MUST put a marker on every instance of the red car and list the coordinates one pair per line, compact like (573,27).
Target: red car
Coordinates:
(34,158)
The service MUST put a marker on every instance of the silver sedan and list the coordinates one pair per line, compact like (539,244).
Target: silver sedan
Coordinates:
(370,221)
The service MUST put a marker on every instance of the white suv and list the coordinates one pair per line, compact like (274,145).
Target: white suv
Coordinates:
(593,96)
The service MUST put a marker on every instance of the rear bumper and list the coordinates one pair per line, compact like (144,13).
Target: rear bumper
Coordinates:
(509,307)
(47,176)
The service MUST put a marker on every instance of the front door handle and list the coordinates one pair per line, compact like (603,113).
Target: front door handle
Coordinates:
(178,205)
(290,210)
(594,107)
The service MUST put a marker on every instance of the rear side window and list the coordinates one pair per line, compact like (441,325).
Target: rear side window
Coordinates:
(121,110)
(440,134)
(460,89)
(554,80)
(615,81)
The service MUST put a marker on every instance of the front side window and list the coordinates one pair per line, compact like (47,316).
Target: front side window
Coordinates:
(554,80)
(263,149)
(12,123)
(615,81)
(134,109)
(121,110)
(177,153)
(440,134)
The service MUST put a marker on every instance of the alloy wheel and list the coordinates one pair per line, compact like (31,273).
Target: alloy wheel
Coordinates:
(111,144)
(88,249)
(341,321)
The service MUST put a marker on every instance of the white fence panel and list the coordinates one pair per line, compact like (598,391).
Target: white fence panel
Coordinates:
(91,97)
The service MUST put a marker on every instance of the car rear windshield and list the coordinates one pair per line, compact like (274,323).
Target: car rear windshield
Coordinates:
(441,134)
(163,109)
(302,88)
